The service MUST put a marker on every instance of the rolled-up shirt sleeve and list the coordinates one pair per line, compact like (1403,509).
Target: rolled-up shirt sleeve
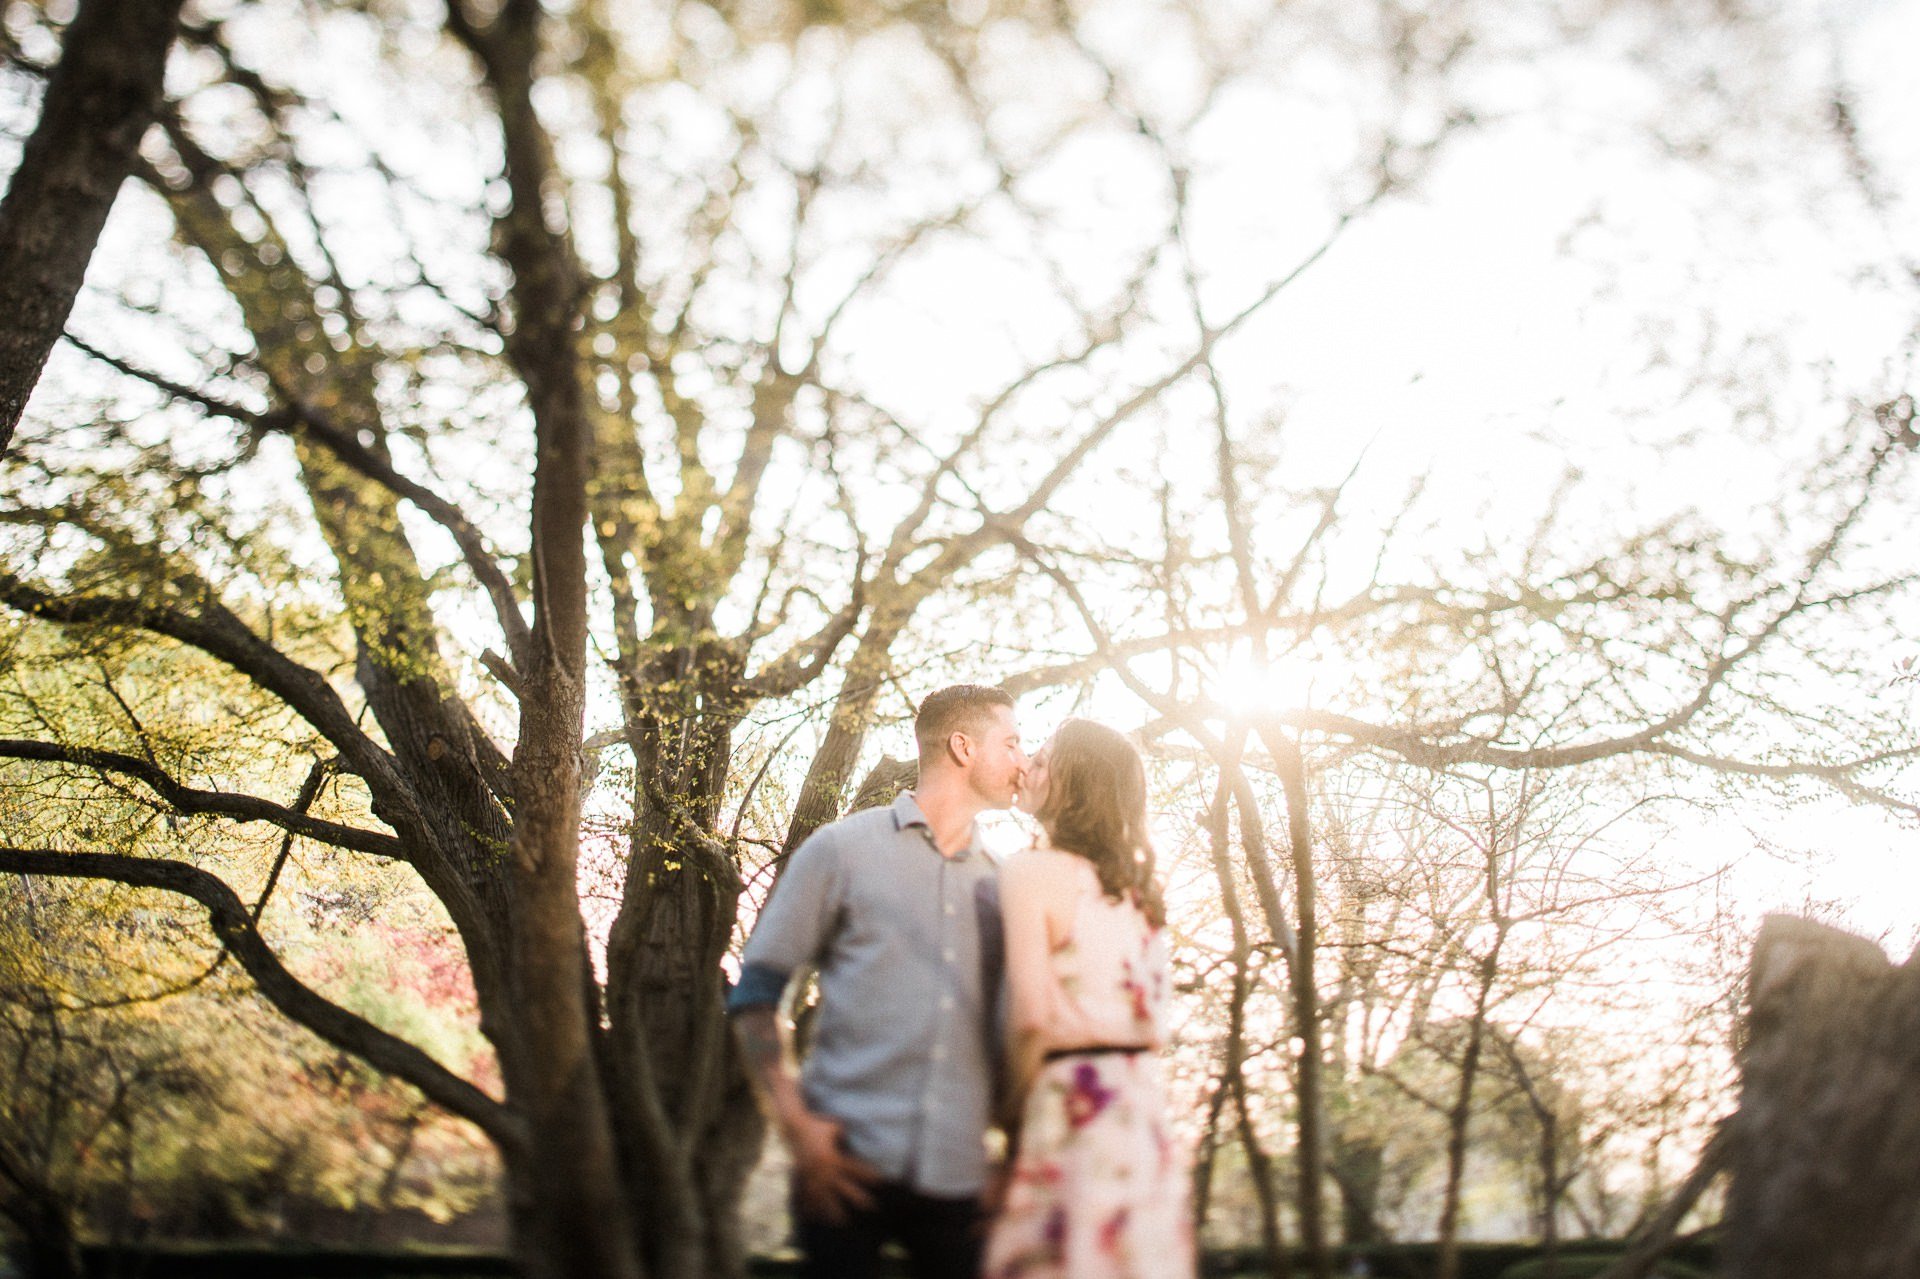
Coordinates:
(794,926)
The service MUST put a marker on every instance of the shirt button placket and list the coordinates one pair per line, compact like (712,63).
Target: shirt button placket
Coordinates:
(936,1073)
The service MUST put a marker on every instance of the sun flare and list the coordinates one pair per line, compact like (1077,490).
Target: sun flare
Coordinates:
(1249,683)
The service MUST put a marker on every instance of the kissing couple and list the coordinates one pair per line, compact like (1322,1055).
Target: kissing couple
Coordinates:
(959,998)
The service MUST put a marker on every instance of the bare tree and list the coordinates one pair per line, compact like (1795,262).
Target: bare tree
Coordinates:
(1549,691)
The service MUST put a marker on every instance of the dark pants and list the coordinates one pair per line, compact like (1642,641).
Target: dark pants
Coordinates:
(943,1237)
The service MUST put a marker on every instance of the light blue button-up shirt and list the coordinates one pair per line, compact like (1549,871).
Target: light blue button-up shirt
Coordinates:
(907,944)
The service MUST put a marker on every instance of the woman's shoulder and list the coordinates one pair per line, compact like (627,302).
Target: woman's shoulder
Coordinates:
(1045,866)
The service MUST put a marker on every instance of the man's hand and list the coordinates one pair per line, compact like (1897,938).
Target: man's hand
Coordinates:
(828,1180)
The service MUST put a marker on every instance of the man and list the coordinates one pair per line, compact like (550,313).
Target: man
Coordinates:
(894,907)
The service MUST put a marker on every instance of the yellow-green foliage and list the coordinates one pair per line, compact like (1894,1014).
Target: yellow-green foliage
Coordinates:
(142,1086)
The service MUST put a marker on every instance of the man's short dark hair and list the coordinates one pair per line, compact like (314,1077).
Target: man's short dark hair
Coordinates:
(958,708)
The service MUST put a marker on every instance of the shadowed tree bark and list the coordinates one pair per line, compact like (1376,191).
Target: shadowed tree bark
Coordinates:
(99,101)
(1824,1181)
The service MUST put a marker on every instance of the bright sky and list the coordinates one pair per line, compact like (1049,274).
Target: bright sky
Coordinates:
(1453,333)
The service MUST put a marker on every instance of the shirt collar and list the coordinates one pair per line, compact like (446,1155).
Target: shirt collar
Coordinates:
(906,812)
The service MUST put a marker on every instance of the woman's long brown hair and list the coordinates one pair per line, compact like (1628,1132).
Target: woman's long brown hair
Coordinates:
(1096,806)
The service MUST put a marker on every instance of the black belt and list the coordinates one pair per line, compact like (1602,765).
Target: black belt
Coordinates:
(1097,1050)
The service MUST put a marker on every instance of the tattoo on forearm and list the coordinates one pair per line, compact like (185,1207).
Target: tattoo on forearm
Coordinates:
(760,1043)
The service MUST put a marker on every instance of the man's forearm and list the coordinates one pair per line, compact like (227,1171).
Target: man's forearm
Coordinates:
(828,1182)
(764,1048)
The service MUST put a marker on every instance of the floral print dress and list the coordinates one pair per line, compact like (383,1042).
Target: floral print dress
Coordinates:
(1098,1186)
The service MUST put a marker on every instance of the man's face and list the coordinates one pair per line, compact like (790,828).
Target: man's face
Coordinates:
(994,762)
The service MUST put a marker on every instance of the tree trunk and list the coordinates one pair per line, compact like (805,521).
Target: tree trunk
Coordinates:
(99,102)
(688,1119)
(572,1213)
(568,1202)
(1206,1152)
(1233,1077)
(1260,1172)
(1357,1166)
(1824,1178)
(825,789)
(1551,1186)
(49,1248)
(518,914)
(1306,1007)
(1460,1117)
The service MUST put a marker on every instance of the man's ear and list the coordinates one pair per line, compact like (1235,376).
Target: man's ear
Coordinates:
(959,748)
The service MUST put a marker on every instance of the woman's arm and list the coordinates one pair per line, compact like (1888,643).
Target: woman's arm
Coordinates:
(1030,891)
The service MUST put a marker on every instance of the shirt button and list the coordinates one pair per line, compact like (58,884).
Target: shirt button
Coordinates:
(939,1052)
(951,956)
(951,910)
(946,1003)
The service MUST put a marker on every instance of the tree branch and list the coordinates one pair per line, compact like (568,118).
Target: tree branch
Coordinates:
(1652,1240)
(799,665)
(232,924)
(217,632)
(99,102)
(1839,776)
(296,418)
(188,799)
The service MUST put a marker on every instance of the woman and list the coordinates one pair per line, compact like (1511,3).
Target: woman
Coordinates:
(1097,1187)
